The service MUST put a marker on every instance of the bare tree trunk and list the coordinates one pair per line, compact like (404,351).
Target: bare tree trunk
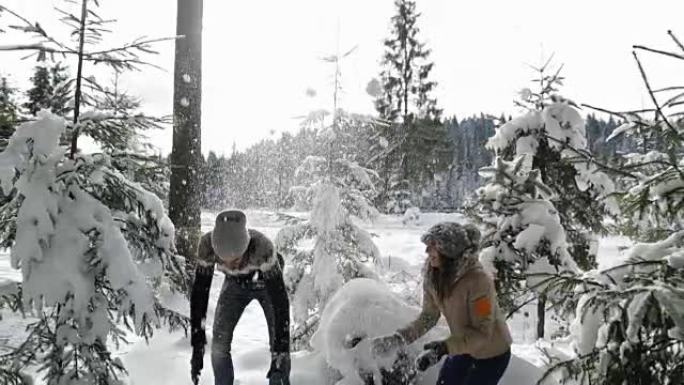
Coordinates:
(541,315)
(184,195)
(79,77)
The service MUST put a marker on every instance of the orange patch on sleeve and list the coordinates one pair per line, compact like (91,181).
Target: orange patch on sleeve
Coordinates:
(483,307)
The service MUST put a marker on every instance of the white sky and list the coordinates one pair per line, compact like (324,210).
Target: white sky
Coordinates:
(260,56)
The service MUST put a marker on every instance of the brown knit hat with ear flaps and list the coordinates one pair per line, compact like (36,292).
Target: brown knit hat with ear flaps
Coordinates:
(230,237)
(452,239)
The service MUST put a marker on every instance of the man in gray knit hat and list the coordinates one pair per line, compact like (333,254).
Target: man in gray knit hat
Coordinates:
(253,270)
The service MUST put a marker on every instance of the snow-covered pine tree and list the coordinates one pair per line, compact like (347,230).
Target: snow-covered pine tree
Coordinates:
(51,89)
(551,137)
(285,168)
(629,323)
(214,182)
(8,111)
(341,250)
(9,119)
(470,155)
(554,133)
(523,231)
(413,144)
(89,241)
(114,120)
(41,92)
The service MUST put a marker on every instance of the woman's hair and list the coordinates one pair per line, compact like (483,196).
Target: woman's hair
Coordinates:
(442,278)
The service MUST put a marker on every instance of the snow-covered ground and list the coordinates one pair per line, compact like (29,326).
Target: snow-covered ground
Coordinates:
(165,360)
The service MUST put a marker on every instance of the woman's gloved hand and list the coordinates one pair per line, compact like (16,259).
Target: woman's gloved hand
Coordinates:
(434,351)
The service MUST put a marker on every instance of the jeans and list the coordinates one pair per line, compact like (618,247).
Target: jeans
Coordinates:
(466,370)
(234,298)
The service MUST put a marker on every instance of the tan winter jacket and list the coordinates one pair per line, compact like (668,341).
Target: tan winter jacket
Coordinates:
(477,325)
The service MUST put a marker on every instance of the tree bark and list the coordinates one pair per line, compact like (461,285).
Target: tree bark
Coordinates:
(79,78)
(541,315)
(186,155)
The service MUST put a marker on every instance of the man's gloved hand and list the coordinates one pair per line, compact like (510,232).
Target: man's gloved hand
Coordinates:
(382,346)
(434,351)
(198,339)
(279,373)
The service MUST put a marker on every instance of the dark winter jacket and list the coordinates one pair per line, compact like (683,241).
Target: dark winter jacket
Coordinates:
(260,255)
(259,267)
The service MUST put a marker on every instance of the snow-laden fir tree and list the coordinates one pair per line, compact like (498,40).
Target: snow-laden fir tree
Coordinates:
(113,119)
(470,155)
(413,144)
(9,113)
(87,242)
(51,89)
(94,247)
(524,235)
(629,318)
(553,133)
(214,197)
(551,138)
(340,250)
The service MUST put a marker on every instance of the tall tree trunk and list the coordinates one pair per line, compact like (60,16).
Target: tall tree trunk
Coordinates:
(79,78)
(541,315)
(184,195)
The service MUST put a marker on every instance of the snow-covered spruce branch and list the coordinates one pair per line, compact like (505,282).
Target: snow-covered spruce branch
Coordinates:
(122,57)
(629,322)
(589,158)
(35,28)
(658,108)
(78,242)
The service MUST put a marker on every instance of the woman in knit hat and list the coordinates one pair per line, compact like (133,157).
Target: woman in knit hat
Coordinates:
(456,286)
(253,270)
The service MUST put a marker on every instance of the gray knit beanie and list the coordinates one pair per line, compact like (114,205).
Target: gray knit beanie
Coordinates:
(230,237)
(453,239)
